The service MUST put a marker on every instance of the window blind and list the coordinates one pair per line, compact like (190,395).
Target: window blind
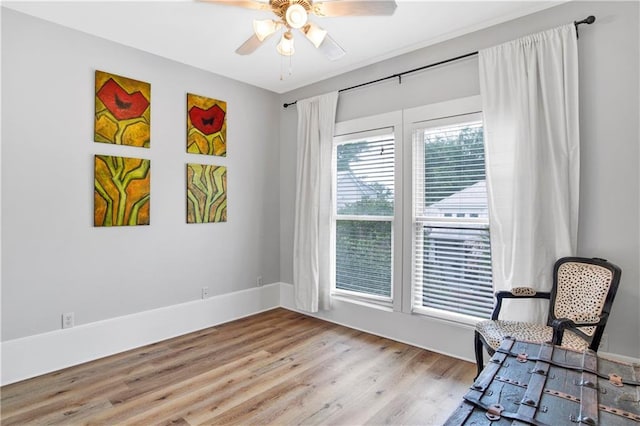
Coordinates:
(451,246)
(364,194)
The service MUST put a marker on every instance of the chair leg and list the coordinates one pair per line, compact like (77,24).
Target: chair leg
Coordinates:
(479,358)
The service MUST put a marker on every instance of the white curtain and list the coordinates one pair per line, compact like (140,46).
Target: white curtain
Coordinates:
(312,228)
(529,92)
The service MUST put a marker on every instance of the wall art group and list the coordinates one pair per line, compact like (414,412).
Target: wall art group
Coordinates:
(122,188)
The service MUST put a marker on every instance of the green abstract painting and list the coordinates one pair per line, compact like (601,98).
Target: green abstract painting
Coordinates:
(206,193)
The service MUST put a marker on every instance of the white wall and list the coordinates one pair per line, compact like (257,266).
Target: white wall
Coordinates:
(53,259)
(609,198)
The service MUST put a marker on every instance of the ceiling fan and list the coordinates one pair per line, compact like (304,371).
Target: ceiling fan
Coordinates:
(294,15)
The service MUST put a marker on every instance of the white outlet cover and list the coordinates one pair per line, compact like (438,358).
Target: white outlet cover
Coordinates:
(67,320)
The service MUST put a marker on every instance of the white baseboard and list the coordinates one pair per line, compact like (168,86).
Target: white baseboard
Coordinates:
(43,353)
(620,358)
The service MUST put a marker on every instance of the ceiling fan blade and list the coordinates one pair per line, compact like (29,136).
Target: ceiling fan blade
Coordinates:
(247,4)
(354,8)
(250,45)
(331,49)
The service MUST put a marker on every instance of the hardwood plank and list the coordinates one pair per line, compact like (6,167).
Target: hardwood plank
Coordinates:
(334,399)
(437,396)
(380,389)
(284,374)
(128,409)
(292,393)
(218,394)
(278,367)
(55,384)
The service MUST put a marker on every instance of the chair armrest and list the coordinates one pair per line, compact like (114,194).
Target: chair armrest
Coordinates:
(517,293)
(561,324)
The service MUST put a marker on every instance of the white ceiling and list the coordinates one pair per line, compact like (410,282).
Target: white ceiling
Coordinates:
(205,35)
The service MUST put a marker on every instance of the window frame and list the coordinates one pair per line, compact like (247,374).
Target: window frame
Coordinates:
(414,118)
(361,128)
(402,122)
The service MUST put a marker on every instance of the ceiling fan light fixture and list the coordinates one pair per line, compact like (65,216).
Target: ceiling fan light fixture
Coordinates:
(296,16)
(285,47)
(314,33)
(264,28)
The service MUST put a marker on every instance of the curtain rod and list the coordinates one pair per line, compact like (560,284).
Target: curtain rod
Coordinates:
(588,20)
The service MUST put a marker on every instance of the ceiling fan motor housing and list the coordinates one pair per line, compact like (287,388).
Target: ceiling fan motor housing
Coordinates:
(279,7)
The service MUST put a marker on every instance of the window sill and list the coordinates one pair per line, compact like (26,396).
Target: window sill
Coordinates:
(448,317)
(380,305)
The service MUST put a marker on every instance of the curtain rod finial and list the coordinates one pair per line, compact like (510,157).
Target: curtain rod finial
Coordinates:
(588,20)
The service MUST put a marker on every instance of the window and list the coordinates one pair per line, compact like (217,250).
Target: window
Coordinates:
(451,248)
(410,218)
(364,182)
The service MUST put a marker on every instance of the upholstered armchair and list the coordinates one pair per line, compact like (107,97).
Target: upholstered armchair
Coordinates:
(579,305)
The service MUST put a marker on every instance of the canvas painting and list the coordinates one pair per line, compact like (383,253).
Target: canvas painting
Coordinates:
(123,111)
(206,126)
(121,191)
(206,193)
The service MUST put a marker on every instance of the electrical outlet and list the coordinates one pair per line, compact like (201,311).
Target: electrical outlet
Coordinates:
(604,343)
(205,292)
(67,320)
(259,281)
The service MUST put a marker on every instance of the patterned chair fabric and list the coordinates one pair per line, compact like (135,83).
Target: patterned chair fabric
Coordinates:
(582,294)
(523,291)
(493,332)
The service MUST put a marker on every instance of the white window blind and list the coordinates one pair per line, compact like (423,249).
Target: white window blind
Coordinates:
(451,248)
(364,209)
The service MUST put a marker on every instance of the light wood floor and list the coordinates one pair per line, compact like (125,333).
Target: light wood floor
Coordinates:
(278,367)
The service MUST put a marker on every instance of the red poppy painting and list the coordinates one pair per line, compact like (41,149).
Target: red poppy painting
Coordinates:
(206,126)
(123,111)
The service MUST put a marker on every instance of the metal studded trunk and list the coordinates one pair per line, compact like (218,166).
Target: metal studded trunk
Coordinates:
(533,384)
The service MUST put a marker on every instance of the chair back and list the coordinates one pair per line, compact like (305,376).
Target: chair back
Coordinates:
(583,291)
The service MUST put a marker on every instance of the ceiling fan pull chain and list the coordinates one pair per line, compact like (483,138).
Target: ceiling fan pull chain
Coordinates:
(283,76)
(290,65)
(281,68)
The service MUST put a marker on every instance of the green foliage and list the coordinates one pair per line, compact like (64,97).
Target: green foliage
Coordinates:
(347,153)
(453,162)
(380,204)
(363,257)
